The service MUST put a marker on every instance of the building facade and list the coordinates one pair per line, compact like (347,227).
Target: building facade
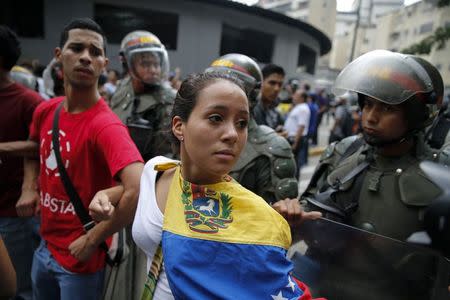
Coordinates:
(195,32)
(319,13)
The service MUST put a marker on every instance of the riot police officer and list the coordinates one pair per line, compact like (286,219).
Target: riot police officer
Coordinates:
(24,77)
(375,182)
(143,99)
(266,165)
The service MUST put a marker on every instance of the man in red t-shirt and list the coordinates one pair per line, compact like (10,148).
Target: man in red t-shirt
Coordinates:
(17,104)
(96,149)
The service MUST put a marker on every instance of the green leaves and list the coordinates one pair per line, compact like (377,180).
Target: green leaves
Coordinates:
(438,38)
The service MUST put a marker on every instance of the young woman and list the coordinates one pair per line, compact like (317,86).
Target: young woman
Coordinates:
(219,240)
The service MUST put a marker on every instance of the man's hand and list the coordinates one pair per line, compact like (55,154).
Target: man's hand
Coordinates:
(82,248)
(28,204)
(100,207)
(291,210)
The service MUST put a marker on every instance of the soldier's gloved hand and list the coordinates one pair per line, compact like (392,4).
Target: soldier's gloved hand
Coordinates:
(100,207)
(291,210)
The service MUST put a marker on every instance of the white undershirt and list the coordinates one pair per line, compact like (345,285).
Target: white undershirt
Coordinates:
(148,222)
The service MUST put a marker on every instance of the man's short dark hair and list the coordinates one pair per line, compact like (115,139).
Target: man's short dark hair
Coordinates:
(84,23)
(272,69)
(10,47)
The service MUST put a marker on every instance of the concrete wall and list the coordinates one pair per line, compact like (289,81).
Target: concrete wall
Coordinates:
(199,32)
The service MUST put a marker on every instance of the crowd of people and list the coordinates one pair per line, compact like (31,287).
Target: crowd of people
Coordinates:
(214,206)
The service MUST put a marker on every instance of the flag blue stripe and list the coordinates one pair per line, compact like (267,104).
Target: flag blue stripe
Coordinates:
(201,269)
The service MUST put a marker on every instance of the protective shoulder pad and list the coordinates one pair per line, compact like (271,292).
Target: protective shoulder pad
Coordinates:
(337,149)
(262,134)
(279,146)
(343,145)
(124,94)
(168,94)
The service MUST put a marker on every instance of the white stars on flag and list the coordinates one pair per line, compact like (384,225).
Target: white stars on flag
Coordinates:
(291,284)
(278,297)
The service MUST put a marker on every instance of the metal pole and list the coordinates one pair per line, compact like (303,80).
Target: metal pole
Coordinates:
(355,32)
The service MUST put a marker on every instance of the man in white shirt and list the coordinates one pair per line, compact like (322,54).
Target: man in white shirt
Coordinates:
(296,126)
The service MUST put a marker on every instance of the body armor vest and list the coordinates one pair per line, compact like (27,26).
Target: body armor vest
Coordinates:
(266,165)
(147,117)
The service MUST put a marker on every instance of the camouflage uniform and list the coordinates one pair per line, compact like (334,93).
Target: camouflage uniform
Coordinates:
(356,185)
(266,165)
(155,107)
(147,113)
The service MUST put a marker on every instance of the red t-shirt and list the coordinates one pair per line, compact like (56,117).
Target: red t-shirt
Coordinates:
(94,147)
(17,104)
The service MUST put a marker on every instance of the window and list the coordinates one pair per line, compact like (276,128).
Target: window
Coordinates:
(118,21)
(25,21)
(306,59)
(427,27)
(394,36)
(251,42)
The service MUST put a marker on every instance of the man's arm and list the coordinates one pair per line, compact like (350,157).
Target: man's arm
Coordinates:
(28,204)
(83,247)
(298,137)
(102,205)
(20,148)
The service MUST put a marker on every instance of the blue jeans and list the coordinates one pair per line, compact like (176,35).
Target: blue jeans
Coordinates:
(51,281)
(21,237)
(301,156)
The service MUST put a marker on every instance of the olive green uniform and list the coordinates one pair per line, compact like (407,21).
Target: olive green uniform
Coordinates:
(388,197)
(154,107)
(266,165)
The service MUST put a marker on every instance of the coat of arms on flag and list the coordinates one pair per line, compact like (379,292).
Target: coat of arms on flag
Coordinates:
(205,210)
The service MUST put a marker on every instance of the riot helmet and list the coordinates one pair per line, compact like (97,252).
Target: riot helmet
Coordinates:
(245,68)
(145,57)
(351,98)
(393,78)
(24,77)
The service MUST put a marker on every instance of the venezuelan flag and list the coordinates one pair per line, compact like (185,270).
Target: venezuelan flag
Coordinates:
(221,241)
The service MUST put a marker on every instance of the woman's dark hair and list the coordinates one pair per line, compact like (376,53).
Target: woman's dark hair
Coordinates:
(187,95)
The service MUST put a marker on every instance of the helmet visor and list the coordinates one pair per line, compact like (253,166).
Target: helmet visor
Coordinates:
(386,76)
(149,65)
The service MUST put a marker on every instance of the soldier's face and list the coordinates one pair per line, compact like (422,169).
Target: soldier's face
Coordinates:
(147,67)
(382,122)
(82,58)
(215,132)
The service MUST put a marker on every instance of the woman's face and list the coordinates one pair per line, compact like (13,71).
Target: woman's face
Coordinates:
(215,132)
